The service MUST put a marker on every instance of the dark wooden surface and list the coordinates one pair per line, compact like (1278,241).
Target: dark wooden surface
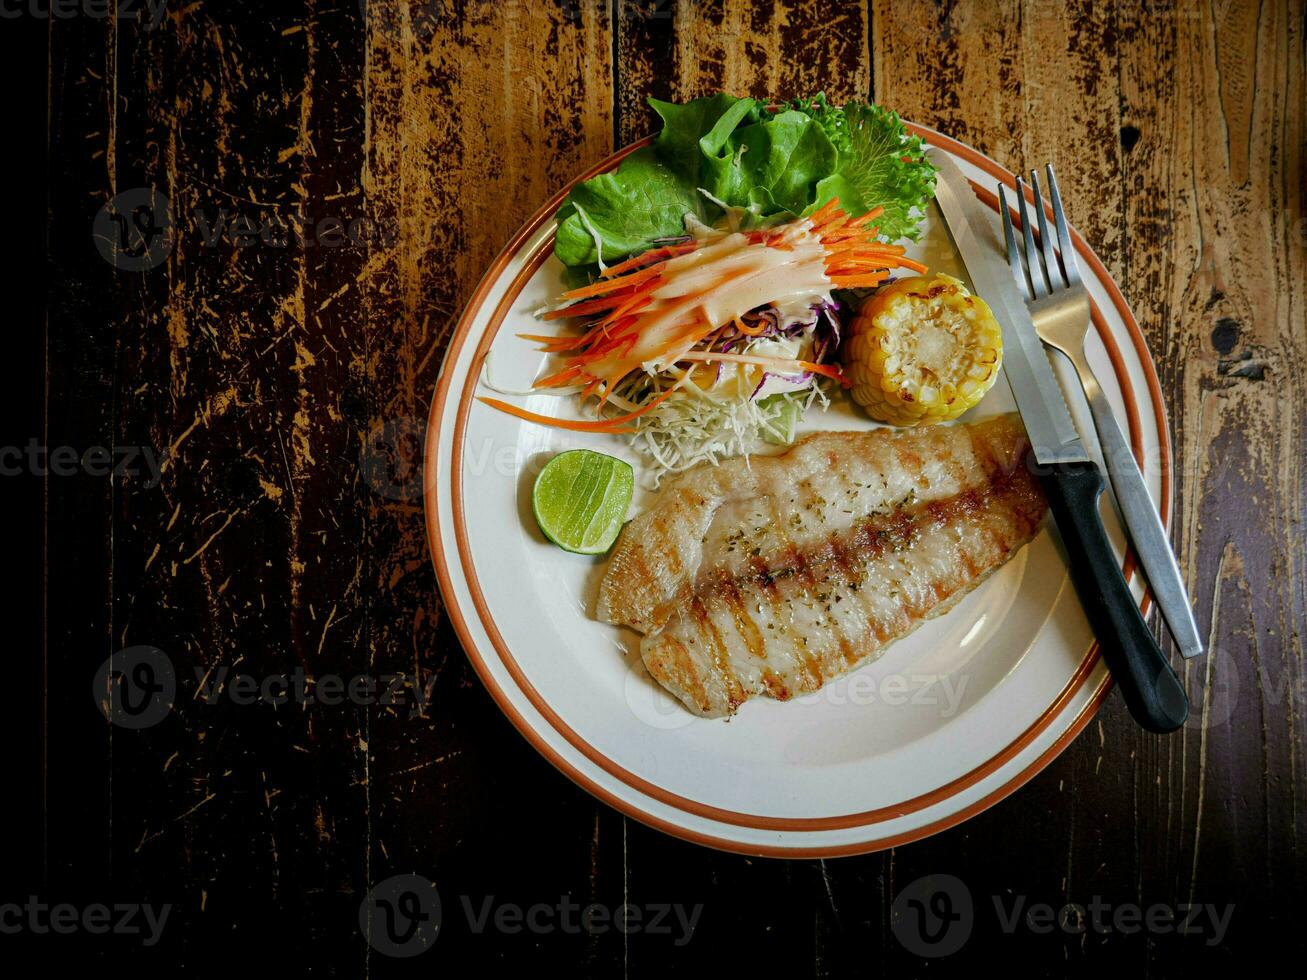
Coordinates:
(282,382)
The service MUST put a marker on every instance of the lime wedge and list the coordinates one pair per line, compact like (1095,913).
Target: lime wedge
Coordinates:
(580,500)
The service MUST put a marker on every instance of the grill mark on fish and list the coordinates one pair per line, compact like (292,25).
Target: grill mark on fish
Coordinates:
(717,647)
(995,469)
(775,685)
(670,552)
(964,555)
(855,575)
(838,562)
(806,659)
(980,451)
(679,669)
(728,591)
(798,567)
(793,566)
(909,461)
(766,582)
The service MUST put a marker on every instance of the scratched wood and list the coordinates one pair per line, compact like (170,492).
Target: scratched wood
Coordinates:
(289,385)
(1218,276)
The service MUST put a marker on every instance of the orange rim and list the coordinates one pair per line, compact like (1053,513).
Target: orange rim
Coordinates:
(752,821)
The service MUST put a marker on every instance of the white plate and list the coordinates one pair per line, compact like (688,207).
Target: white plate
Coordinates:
(946,723)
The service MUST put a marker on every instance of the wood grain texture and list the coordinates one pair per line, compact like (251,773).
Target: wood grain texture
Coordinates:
(289,385)
(1218,270)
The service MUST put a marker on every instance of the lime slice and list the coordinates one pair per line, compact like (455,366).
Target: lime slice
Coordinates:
(580,500)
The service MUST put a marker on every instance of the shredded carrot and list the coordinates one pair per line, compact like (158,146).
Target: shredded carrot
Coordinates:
(854,282)
(599,305)
(644,258)
(563,377)
(914,266)
(603,425)
(757,331)
(599,425)
(855,243)
(632,305)
(609,285)
(833,227)
(825,211)
(557,343)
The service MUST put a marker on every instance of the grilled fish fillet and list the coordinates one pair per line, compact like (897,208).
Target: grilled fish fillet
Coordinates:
(775,575)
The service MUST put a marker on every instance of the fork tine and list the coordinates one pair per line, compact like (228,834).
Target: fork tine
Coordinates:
(1034,265)
(1045,239)
(1066,248)
(1013,255)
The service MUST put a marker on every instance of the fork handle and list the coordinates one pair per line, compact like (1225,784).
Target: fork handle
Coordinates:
(1150,687)
(1141,519)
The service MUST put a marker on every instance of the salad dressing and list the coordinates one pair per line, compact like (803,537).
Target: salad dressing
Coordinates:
(720,282)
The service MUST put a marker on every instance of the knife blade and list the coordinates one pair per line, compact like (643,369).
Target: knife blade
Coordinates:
(1039,398)
(1072,482)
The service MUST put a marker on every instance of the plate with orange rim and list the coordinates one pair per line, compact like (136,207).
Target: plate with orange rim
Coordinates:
(946,723)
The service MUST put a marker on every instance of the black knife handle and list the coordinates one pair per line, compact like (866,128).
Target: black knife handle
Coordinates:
(1151,690)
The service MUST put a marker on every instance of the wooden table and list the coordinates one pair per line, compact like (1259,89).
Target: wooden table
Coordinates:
(415,144)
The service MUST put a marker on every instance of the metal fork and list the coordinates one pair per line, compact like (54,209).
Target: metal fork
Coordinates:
(1059,305)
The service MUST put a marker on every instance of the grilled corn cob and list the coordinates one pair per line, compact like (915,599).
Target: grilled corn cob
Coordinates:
(922,350)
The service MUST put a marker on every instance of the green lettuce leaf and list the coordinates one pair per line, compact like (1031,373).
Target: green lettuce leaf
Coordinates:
(652,190)
(628,209)
(701,126)
(773,165)
(744,155)
(882,165)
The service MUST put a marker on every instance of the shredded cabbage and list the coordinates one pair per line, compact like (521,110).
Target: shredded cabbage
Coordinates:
(707,422)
